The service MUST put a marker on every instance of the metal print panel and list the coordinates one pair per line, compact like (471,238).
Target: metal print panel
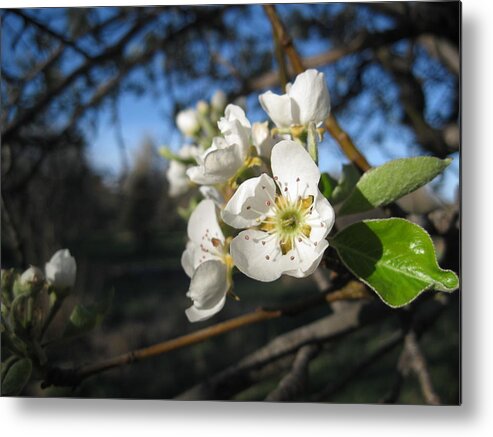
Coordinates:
(232,202)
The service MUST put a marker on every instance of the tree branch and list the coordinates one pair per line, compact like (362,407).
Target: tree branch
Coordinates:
(72,377)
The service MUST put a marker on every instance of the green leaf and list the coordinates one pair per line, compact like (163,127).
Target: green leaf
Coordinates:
(349,177)
(327,184)
(16,377)
(382,185)
(395,257)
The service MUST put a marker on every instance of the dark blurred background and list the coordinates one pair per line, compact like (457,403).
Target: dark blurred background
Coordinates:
(89,94)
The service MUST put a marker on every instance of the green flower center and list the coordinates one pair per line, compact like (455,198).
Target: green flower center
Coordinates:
(289,221)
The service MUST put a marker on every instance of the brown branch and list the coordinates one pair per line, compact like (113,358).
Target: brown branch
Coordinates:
(294,383)
(61,377)
(344,140)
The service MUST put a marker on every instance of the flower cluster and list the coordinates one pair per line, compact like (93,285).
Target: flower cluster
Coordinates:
(260,182)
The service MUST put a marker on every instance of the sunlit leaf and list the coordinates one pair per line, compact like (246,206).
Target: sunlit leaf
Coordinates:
(395,257)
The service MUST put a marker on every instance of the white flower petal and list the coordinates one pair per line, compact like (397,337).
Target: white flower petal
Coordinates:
(235,127)
(258,256)
(278,108)
(195,314)
(321,219)
(252,200)
(296,172)
(208,289)
(308,258)
(262,139)
(187,259)
(311,102)
(202,225)
(224,162)
(212,194)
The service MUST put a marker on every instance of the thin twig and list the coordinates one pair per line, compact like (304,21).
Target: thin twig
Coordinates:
(44,28)
(412,359)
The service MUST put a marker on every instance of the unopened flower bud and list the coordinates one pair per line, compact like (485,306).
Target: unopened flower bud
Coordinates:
(61,270)
(218,101)
(187,121)
(202,107)
(29,282)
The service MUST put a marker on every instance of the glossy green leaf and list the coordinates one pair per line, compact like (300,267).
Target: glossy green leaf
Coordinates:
(16,377)
(349,177)
(395,257)
(382,185)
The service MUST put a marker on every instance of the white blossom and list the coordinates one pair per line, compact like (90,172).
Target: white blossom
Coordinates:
(226,155)
(207,262)
(287,218)
(179,183)
(306,101)
(188,122)
(217,164)
(60,271)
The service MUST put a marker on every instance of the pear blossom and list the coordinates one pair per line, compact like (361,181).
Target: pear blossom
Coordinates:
(179,183)
(286,218)
(306,101)
(60,271)
(188,122)
(207,262)
(227,154)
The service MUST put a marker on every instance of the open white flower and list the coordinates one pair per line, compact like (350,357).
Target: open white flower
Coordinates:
(287,218)
(306,101)
(188,122)
(60,271)
(207,262)
(226,155)
(217,164)
(179,183)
